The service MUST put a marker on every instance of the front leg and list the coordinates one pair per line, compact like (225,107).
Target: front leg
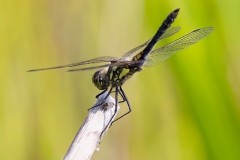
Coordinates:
(101,93)
(115,111)
(104,99)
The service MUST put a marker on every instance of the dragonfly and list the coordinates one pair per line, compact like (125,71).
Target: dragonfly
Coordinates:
(113,72)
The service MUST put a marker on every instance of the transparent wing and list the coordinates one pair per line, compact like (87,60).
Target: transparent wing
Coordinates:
(110,59)
(132,52)
(94,60)
(168,33)
(187,40)
(124,64)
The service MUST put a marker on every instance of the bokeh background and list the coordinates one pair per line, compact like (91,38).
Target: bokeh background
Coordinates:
(183,109)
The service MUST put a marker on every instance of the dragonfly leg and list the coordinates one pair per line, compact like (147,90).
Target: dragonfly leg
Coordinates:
(122,93)
(122,98)
(113,91)
(101,93)
(103,100)
(115,111)
(121,101)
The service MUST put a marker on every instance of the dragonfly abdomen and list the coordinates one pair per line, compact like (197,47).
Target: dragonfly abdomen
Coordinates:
(165,25)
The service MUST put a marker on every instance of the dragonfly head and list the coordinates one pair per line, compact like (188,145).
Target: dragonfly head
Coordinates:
(101,79)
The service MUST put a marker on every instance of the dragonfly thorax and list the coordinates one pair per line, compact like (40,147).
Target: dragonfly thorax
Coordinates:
(101,79)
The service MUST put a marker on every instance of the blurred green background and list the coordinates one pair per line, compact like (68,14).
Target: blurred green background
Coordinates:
(185,108)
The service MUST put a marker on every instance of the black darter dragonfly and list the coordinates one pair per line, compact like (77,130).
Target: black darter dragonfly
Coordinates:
(110,76)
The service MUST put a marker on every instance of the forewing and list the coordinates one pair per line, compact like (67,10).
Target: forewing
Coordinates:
(94,60)
(124,64)
(168,33)
(133,51)
(187,40)
(109,59)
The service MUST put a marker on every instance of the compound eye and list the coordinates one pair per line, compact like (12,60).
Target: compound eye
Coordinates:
(98,79)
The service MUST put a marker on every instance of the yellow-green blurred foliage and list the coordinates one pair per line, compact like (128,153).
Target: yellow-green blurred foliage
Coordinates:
(185,108)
